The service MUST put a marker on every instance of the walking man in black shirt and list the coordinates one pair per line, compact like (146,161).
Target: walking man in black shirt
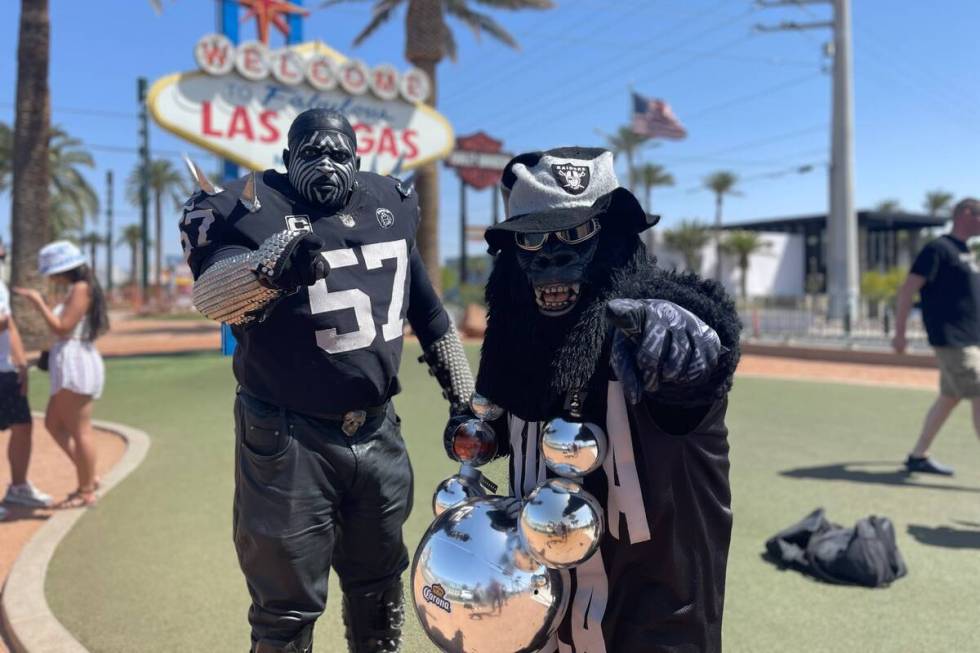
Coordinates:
(947,277)
(316,271)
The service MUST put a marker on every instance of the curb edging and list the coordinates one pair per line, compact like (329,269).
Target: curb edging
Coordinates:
(27,618)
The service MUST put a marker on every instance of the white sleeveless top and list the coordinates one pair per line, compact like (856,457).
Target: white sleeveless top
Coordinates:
(79,331)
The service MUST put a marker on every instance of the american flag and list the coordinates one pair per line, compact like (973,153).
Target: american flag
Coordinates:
(654,118)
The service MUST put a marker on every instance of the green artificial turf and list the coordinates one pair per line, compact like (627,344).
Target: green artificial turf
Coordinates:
(153,567)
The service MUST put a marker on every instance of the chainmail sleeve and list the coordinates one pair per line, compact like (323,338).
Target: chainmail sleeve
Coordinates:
(447,362)
(232,289)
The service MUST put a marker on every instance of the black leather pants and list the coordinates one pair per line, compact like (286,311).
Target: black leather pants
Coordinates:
(309,497)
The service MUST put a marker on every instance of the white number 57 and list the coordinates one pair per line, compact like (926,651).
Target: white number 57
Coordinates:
(324,300)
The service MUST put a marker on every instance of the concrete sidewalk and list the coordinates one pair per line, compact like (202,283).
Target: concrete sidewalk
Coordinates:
(52,472)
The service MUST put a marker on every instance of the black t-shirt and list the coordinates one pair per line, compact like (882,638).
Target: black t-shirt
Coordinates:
(334,346)
(951,294)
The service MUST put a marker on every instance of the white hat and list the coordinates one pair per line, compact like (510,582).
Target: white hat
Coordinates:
(59,256)
(562,188)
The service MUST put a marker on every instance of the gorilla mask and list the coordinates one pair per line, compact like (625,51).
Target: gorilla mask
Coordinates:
(555,263)
(322,157)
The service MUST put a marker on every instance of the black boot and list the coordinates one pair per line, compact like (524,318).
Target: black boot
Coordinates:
(301,644)
(374,621)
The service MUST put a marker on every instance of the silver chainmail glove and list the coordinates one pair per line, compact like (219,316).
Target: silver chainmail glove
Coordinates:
(447,362)
(240,289)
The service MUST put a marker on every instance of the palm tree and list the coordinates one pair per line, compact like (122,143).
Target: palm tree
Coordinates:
(688,239)
(627,142)
(71,197)
(720,183)
(165,181)
(742,245)
(6,156)
(91,240)
(652,175)
(888,206)
(428,40)
(132,235)
(30,204)
(937,201)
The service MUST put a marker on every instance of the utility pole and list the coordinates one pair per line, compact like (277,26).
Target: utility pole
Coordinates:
(144,152)
(109,242)
(842,254)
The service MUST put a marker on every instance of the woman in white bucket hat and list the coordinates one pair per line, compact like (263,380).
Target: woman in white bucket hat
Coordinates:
(75,366)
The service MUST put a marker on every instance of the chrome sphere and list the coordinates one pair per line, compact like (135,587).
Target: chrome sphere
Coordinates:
(484,408)
(573,449)
(454,491)
(561,524)
(472,441)
(476,591)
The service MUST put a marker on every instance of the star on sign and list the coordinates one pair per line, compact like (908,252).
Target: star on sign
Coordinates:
(266,12)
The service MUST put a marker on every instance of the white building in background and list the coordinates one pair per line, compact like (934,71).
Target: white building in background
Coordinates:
(795,260)
(776,271)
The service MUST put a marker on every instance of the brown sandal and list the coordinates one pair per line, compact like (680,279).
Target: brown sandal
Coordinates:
(80,498)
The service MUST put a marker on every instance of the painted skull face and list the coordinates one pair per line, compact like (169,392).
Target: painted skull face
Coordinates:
(321,167)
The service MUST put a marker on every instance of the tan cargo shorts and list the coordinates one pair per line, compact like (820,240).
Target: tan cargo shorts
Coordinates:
(959,371)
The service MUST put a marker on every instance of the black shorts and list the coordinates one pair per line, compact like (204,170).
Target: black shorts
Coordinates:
(14,408)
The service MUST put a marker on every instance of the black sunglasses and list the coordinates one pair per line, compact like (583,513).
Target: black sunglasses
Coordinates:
(532,242)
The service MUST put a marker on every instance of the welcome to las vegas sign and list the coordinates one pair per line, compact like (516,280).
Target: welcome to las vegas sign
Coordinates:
(240,102)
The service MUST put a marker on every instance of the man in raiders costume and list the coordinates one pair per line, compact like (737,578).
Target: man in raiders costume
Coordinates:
(582,321)
(316,271)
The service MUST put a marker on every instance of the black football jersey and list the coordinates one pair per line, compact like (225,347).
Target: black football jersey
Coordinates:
(334,346)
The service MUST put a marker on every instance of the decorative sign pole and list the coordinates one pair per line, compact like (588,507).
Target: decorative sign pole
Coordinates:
(478,161)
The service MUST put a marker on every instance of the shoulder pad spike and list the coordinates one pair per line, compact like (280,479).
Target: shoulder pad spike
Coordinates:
(201,179)
(406,186)
(249,198)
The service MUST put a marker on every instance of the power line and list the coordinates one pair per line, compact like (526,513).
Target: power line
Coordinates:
(82,112)
(529,115)
(598,65)
(752,96)
(560,86)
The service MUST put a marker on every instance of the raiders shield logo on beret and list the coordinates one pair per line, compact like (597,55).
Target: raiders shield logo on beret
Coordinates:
(572,178)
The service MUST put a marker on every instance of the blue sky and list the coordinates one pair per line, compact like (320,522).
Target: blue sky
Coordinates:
(754,103)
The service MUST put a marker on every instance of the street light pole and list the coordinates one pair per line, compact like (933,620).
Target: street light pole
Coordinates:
(109,242)
(144,150)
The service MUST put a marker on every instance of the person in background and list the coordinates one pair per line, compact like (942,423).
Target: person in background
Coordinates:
(75,366)
(946,275)
(15,413)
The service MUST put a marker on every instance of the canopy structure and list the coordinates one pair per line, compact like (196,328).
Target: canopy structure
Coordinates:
(885,240)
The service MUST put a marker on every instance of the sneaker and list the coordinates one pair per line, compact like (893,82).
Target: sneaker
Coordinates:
(27,495)
(926,465)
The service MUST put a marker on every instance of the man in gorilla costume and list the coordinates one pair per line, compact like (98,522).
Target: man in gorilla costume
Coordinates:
(581,320)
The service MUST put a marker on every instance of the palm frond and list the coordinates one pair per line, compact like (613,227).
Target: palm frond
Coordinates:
(448,45)
(381,13)
(518,4)
(333,3)
(480,22)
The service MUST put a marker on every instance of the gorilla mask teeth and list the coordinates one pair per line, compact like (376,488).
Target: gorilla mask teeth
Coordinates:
(556,298)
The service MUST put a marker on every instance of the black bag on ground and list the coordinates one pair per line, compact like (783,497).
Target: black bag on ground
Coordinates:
(866,554)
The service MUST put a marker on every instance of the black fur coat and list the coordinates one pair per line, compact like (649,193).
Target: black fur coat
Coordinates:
(531,362)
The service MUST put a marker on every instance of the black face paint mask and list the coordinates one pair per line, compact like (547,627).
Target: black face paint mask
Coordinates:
(322,164)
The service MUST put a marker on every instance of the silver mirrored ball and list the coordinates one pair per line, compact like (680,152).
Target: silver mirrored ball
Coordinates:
(561,524)
(455,490)
(476,591)
(573,449)
(484,408)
